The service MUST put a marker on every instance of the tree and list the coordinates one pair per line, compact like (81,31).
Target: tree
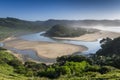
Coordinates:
(110,47)
(63,70)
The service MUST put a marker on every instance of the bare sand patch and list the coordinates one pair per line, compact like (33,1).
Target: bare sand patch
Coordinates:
(93,36)
(45,49)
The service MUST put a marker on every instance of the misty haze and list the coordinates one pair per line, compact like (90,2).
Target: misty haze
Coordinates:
(60,40)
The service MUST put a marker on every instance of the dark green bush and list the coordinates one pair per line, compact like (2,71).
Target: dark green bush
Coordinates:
(73,58)
(93,68)
(105,69)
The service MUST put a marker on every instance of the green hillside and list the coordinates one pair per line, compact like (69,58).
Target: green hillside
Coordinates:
(72,67)
(14,27)
(65,31)
(104,65)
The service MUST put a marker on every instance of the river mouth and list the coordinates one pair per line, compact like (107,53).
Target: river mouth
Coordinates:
(92,46)
(28,53)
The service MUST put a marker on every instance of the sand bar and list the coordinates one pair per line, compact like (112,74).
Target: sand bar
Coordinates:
(93,36)
(45,49)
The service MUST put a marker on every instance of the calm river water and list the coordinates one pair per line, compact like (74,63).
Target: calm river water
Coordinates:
(92,46)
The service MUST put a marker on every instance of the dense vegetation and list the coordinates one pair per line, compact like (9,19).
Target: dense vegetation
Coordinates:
(101,66)
(109,54)
(65,31)
(13,69)
(110,47)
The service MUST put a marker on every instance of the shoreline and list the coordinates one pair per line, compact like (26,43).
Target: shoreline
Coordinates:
(92,37)
(52,50)
(47,50)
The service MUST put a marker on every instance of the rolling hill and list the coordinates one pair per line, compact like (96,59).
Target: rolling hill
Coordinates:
(65,31)
(13,26)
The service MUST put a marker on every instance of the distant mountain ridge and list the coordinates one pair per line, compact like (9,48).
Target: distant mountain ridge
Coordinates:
(18,23)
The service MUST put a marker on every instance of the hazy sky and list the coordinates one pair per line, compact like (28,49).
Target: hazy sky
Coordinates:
(60,9)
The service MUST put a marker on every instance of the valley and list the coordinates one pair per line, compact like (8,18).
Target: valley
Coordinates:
(27,52)
(46,49)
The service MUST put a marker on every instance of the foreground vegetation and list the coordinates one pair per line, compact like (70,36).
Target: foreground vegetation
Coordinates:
(73,67)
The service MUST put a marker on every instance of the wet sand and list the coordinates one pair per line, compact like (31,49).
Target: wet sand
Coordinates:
(49,50)
(45,49)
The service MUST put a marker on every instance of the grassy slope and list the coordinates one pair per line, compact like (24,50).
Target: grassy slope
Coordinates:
(7,32)
(7,72)
(15,27)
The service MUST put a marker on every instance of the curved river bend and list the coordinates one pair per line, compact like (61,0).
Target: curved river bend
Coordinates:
(92,46)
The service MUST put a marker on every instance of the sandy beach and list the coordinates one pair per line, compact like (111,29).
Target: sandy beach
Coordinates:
(45,49)
(93,36)
(49,50)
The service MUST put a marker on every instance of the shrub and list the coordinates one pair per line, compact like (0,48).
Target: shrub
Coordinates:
(77,67)
(105,69)
(63,70)
(15,63)
(94,68)
(73,58)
